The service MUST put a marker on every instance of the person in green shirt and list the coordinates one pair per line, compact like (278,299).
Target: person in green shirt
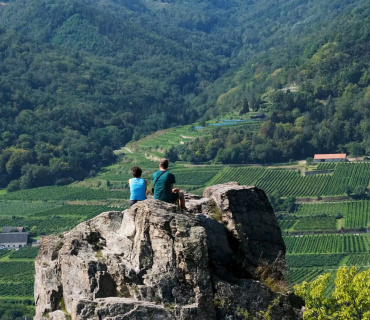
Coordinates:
(163,182)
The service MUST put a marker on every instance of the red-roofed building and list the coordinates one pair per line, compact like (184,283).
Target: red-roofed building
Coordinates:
(333,157)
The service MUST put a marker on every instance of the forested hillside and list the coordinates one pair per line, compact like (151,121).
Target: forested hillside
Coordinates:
(81,78)
(313,83)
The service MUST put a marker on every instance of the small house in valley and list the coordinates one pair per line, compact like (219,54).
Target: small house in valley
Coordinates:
(13,238)
(332,157)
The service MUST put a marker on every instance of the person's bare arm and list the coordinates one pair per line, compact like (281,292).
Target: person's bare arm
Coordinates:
(174,190)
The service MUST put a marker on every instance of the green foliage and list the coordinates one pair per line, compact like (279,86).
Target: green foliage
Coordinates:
(309,161)
(349,300)
(80,79)
(13,186)
(307,96)
(16,309)
(98,76)
(243,313)
(87,78)
(215,211)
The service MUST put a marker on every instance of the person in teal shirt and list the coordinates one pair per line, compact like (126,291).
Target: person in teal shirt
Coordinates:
(163,182)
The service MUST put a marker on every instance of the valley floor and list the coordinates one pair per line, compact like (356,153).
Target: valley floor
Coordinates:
(323,230)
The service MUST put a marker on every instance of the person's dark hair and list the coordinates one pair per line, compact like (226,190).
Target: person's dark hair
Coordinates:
(163,163)
(136,172)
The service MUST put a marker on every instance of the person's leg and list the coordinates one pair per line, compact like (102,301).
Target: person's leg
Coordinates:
(174,198)
(182,200)
(179,199)
(132,202)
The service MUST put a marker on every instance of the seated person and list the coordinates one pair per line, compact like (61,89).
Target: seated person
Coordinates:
(137,186)
(163,182)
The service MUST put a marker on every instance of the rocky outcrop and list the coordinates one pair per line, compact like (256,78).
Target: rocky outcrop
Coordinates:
(156,261)
(251,233)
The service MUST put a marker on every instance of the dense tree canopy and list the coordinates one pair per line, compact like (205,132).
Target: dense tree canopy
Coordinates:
(80,78)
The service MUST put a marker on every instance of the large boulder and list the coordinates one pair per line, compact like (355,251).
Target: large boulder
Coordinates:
(251,233)
(156,261)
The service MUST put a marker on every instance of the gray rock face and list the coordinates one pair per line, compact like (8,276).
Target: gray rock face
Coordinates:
(250,219)
(156,261)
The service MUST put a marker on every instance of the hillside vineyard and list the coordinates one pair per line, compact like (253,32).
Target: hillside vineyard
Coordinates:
(81,79)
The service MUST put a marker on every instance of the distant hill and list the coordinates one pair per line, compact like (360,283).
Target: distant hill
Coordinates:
(79,79)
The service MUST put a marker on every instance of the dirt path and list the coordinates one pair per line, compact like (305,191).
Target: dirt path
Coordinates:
(122,150)
(339,223)
(151,157)
(290,167)
(187,137)
(128,150)
(324,199)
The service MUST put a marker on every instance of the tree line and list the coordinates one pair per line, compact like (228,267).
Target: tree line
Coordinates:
(79,80)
